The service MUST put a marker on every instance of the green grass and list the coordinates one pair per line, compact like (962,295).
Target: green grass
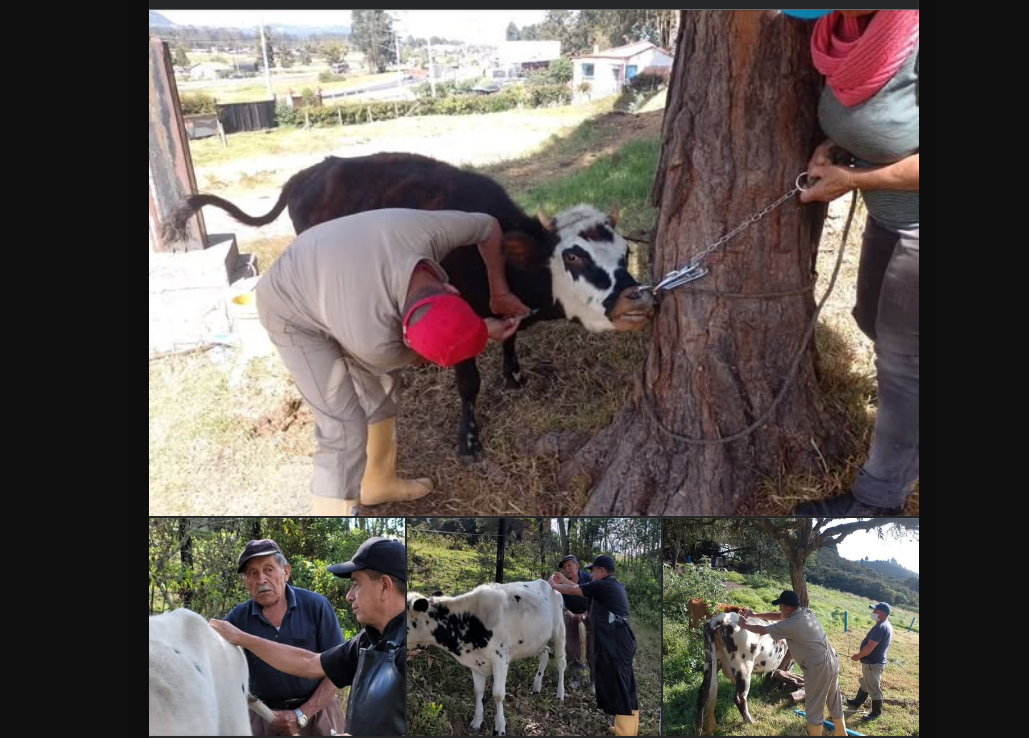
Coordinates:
(623,179)
(683,664)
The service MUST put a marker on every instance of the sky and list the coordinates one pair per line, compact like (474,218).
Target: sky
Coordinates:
(472,26)
(866,543)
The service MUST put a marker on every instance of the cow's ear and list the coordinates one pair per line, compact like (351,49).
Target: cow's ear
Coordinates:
(520,250)
(545,220)
(614,215)
(420,605)
(437,593)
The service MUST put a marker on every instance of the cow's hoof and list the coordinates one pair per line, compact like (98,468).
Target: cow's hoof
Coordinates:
(513,381)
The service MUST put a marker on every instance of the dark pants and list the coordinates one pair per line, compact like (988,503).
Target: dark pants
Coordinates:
(887,312)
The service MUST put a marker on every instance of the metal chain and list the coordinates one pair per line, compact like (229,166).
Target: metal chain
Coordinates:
(695,270)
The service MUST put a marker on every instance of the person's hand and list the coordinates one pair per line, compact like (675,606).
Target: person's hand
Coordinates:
(501,329)
(747,612)
(827,182)
(508,305)
(228,631)
(856,657)
(743,620)
(285,723)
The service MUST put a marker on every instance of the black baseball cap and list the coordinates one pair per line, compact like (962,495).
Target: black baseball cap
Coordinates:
(379,554)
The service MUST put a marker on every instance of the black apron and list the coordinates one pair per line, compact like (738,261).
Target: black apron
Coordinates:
(378,695)
(614,646)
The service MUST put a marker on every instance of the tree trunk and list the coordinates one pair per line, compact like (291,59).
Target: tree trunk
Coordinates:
(564,536)
(501,542)
(543,545)
(797,578)
(739,126)
(186,559)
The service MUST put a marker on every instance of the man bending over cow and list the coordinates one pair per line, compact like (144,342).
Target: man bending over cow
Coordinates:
(372,663)
(350,303)
(287,614)
(614,643)
(811,648)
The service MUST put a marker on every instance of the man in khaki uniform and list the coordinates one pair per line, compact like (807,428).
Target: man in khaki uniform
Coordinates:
(810,647)
(350,303)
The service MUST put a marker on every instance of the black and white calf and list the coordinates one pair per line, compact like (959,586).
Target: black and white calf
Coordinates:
(572,266)
(739,654)
(488,628)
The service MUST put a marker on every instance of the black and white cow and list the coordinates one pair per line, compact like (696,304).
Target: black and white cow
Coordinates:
(199,682)
(488,628)
(572,266)
(739,654)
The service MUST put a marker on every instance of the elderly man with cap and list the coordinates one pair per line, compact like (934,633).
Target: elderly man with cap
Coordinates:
(873,661)
(373,662)
(811,648)
(280,612)
(578,626)
(350,303)
(614,643)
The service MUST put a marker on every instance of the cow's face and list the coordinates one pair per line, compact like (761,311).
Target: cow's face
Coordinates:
(431,621)
(591,281)
(419,625)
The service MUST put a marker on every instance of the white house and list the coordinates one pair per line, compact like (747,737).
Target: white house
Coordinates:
(210,70)
(607,71)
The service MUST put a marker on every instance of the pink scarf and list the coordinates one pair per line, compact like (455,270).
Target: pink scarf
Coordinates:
(857,64)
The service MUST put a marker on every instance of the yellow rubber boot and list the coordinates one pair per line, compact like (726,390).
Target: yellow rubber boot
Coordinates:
(840,726)
(814,729)
(636,722)
(625,725)
(380,483)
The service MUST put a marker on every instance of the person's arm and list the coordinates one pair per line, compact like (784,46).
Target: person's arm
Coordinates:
(759,629)
(286,722)
(773,616)
(501,301)
(566,586)
(288,659)
(323,695)
(833,181)
(866,651)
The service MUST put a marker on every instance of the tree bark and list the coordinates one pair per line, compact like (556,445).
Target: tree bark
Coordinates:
(739,126)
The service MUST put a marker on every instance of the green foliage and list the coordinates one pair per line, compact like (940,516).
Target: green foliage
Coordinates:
(197,103)
(193,560)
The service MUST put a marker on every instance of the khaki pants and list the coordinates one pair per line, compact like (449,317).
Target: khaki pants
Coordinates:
(344,396)
(871,680)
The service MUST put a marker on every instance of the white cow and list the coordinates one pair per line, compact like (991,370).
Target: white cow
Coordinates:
(199,682)
(739,654)
(488,628)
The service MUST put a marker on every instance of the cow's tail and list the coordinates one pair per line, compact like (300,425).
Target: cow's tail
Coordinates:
(709,686)
(174,226)
(260,709)
(582,642)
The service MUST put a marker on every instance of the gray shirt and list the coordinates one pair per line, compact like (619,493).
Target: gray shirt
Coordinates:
(350,276)
(881,130)
(883,633)
(805,637)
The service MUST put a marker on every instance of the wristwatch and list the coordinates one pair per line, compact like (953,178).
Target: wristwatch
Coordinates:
(301,718)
